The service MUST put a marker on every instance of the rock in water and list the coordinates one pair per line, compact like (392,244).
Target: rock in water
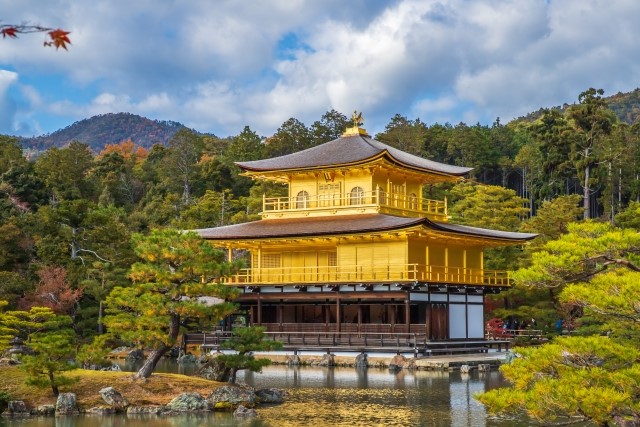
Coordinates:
(245,412)
(362,360)
(136,354)
(16,408)
(112,397)
(465,369)
(44,410)
(145,410)
(229,397)
(66,404)
(270,395)
(188,402)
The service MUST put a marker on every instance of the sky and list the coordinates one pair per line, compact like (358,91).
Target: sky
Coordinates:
(217,66)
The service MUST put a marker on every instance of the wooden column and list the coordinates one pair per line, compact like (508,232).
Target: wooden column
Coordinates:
(280,316)
(393,316)
(359,316)
(407,314)
(259,309)
(338,312)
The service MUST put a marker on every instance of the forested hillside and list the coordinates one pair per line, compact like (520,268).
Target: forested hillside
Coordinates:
(104,129)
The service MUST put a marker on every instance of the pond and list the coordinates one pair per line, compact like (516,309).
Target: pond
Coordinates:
(334,397)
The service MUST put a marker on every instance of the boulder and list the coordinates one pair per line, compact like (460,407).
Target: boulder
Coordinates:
(188,402)
(16,408)
(113,368)
(465,369)
(9,361)
(136,354)
(66,404)
(293,360)
(270,395)
(101,410)
(44,410)
(327,360)
(187,359)
(229,397)
(215,370)
(397,362)
(245,412)
(145,410)
(627,420)
(362,360)
(484,367)
(113,397)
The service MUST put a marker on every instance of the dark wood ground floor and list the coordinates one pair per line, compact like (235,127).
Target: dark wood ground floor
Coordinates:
(431,316)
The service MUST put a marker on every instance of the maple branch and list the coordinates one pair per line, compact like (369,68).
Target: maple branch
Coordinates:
(57,37)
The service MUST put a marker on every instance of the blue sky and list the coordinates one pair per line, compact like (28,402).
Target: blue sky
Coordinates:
(219,65)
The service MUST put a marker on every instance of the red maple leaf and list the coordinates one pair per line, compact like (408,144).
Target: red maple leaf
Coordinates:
(59,38)
(9,32)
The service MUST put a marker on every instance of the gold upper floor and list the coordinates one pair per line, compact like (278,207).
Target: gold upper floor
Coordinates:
(374,189)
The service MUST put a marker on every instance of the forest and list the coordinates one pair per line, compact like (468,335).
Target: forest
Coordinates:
(68,216)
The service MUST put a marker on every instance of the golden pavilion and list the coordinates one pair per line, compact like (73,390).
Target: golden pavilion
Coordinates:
(355,246)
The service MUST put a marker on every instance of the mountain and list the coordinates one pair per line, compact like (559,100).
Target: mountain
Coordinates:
(111,128)
(626,107)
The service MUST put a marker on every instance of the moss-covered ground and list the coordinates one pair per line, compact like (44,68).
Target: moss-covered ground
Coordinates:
(158,389)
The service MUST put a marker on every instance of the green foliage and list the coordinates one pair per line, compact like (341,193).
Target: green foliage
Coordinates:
(5,398)
(588,248)
(54,347)
(245,341)
(175,274)
(630,217)
(582,378)
(572,379)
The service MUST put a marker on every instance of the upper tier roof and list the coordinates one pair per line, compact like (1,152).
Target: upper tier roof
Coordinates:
(352,149)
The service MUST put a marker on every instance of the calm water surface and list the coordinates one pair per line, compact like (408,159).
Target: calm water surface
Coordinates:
(334,397)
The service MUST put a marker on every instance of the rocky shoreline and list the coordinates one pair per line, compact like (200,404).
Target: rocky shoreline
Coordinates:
(241,400)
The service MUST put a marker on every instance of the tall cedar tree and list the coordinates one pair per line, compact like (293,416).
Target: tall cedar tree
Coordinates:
(177,270)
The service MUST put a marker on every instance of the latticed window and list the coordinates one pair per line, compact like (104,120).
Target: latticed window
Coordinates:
(302,200)
(270,260)
(329,194)
(356,196)
(332,259)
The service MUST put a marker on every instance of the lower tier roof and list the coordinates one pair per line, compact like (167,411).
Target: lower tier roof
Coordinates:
(347,224)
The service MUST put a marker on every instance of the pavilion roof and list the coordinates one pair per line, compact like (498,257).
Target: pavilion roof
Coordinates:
(346,224)
(349,150)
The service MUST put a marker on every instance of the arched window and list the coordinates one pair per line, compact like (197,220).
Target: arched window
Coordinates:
(302,200)
(356,196)
(413,201)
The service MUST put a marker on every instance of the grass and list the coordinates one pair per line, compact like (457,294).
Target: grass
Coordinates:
(158,389)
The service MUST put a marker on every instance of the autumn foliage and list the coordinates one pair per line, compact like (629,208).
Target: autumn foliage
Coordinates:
(127,149)
(56,37)
(53,291)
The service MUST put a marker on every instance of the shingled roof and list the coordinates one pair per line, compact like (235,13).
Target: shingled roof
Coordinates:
(345,224)
(348,150)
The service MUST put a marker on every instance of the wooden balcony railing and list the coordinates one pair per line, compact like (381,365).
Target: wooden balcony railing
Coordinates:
(352,200)
(368,274)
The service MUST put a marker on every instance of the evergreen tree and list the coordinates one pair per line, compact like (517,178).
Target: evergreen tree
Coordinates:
(176,273)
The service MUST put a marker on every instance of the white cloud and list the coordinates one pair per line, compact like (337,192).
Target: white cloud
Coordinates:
(216,66)
(7,104)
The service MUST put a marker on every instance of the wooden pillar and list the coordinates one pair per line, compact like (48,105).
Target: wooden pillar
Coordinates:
(338,314)
(280,316)
(407,314)
(359,316)
(393,315)
(259,310)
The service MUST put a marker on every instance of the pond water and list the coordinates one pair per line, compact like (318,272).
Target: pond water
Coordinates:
(338,397)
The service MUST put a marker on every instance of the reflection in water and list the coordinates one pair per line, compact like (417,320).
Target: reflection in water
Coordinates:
(335,397)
